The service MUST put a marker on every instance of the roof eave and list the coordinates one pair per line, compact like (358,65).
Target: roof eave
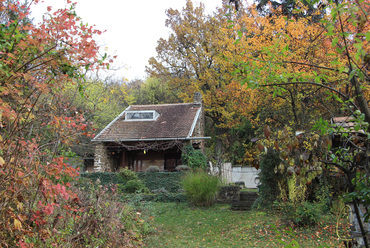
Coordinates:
(194,122)
(153,139)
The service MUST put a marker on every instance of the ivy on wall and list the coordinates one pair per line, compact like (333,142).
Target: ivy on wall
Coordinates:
(170,181)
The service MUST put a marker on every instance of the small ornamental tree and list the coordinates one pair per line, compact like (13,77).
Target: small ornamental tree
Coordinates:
(36,123)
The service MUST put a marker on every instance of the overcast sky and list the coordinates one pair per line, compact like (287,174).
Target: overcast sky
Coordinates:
(133,27)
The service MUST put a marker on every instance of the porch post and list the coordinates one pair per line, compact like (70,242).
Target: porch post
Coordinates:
(101,161)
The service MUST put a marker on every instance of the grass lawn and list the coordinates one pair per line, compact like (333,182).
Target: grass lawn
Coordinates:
(178,225)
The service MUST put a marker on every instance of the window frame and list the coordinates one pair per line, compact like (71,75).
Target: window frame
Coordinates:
(153,112)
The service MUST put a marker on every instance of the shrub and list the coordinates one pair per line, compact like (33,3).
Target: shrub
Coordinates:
(302,214)
(152,168)
(194,158)
(100,219)
(130,182)
(201,188)
(308,213)
(168,180)
(269,187)
(182,168)
(134,186)
(127,175)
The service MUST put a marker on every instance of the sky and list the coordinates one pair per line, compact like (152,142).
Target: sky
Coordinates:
(132,28)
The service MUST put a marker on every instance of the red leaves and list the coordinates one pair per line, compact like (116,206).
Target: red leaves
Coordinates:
(36,122)
(260,147)
(267,132)
(83,127)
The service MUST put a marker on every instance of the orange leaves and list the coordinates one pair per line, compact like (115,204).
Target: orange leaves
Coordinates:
(36,122)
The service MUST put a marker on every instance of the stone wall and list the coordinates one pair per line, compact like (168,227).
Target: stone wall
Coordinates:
(227,194)
(101,158)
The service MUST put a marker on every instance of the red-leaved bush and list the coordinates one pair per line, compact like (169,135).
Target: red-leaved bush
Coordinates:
(39,206)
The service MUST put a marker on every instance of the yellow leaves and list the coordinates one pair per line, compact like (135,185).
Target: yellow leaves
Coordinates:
(2,162)
(17,224)
(20,206)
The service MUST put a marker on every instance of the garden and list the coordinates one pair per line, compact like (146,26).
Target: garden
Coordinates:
(181,209)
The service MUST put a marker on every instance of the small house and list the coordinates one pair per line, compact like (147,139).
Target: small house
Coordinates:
(150,135)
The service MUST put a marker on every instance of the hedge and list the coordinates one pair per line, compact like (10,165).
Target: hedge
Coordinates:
(170,181)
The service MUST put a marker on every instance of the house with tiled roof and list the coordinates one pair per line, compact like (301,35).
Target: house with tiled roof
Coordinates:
(346,125)
(150,135)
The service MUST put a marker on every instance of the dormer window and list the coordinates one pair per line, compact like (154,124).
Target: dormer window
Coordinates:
(147,115)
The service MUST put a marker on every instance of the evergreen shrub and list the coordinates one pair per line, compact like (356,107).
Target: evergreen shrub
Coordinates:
(269,180)
(194,158)
(167,180)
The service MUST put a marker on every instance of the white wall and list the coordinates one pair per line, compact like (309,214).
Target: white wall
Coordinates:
(232,174)
(246,174)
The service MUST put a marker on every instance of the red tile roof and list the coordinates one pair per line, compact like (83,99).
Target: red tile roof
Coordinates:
(347,122)
(175,121)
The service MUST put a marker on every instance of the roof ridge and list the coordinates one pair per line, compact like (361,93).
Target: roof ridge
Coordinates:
(164,104)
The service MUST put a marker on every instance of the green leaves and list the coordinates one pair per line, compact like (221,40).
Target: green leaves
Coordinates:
(322,126)
(334,41)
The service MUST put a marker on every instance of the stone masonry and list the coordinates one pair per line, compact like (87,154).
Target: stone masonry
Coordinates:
(101,159)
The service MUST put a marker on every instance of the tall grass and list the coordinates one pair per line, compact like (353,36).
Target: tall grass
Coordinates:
(200,187)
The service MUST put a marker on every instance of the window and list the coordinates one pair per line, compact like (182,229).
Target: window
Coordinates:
(141,115)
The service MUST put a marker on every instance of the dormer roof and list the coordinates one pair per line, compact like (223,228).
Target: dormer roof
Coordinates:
(152,122)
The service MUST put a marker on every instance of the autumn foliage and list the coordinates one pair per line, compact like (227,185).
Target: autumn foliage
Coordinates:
(37,124)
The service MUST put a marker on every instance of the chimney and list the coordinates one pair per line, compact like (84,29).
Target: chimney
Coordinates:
(197,100)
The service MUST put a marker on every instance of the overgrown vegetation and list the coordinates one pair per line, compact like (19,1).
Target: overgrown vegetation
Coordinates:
(200,187)
(302,64)
(100,219)
(194,158)
(170,181)
(268,187)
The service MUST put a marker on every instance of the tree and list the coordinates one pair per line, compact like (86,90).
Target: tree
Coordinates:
(36,122)
(151,91)
(192,59)
(288,8)
(330,55)
(282,52)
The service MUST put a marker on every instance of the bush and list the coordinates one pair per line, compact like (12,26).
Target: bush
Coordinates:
(127,175)
(134,186)
(308,213)
(100,220)
(269,187)
(168,180)
(194,158)
(182,168)
(201,188)
(152,168)
(132,183)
